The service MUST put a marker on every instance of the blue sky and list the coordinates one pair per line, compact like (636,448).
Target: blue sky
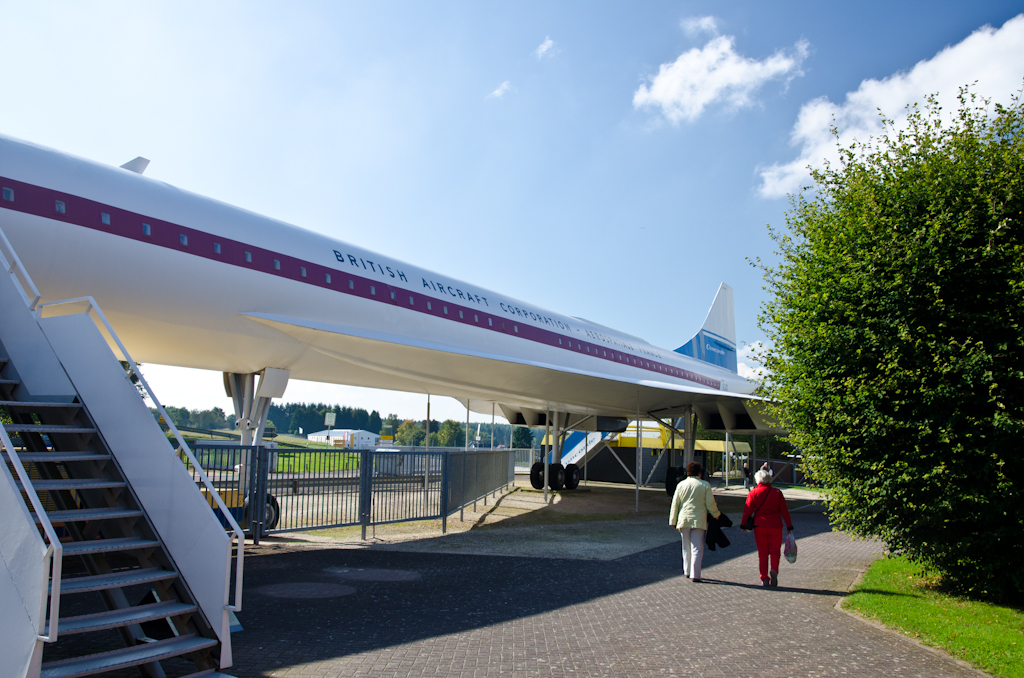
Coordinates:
(615,161)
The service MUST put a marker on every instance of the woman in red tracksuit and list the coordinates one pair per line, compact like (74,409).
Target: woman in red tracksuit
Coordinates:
(769,509)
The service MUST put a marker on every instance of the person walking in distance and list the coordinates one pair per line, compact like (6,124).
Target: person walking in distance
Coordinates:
(691,503)
(767,507)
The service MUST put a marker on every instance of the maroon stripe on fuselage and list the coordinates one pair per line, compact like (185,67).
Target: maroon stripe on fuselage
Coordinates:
(79,211)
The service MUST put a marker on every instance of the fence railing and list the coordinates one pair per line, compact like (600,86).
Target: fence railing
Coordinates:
(54,551)
(184,451)
(325,488)
(525,457)
(53,557)
(474,474)
(22,280)
(783,471)
(405,485)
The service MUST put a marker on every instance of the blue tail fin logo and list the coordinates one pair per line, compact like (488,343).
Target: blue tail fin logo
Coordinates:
(715,343)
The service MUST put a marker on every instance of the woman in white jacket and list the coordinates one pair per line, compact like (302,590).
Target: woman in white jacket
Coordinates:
(691,504)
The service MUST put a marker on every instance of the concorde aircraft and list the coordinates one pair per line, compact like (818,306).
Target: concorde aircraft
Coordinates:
(190,281)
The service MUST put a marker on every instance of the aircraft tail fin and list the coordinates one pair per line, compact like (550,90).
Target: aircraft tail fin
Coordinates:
(715,343)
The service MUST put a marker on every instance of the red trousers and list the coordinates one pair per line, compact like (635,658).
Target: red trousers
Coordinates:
(769,543)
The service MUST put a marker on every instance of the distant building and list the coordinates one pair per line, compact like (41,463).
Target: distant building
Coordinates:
(354,439)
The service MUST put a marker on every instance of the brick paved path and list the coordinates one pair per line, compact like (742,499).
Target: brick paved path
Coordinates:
(461,615)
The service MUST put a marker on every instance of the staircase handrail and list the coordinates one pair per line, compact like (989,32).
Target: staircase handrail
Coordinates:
(54,551)
(182,445)
(15,268)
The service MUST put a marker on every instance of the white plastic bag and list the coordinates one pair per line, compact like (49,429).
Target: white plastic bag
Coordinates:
(789,549)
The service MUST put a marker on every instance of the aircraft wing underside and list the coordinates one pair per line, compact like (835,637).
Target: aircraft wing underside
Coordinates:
(518,388)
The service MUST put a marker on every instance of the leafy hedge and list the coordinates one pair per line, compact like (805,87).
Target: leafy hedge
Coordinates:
(897,322)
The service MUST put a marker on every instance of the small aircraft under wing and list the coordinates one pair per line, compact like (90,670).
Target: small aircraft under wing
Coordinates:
(190,281)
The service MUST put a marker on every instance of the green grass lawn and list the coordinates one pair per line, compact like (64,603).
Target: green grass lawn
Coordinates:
(300,440)
(289,461)
(903,597)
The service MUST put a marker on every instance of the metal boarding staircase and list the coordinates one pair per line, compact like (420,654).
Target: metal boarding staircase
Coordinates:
(112,595)
(580,446)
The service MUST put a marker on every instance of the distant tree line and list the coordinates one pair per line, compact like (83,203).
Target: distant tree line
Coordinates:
(212,419)
(290,417)
(310,417)
(451,433)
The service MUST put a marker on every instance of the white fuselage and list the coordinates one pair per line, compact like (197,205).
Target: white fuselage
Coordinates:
(193,282)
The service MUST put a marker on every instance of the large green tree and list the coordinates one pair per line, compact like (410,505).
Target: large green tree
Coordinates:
(897,328)
(410,433)
(522,438)
(451,434)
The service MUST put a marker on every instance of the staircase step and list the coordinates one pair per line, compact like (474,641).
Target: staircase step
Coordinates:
(124,658)
(54,455)
(39,405)
(101,582)
(111,619)
(9,382)
(48,428)
(208,673)
(74,484)
(76,515)
(79,548)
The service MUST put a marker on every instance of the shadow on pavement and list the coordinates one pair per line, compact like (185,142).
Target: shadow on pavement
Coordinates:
(780,588)
(349,601)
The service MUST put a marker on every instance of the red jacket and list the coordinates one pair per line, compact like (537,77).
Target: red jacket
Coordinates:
(770,507)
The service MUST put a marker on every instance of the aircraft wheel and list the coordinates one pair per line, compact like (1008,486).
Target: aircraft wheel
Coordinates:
(537,475)
(556,476)
(572,477)
(671,480)
(271,516)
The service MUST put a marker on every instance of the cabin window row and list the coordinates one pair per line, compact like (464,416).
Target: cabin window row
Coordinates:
(430,307)
(61,208)
(620,357)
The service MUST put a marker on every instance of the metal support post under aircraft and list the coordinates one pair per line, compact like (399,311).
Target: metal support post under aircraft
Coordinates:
(688,440)
(253,404)
(639,451)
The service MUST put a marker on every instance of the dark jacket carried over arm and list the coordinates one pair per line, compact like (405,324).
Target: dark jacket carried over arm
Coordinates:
(715,536)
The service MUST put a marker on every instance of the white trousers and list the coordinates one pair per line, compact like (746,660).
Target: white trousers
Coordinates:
(693,551)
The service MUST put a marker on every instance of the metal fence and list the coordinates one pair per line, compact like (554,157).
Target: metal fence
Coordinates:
(474,474)
(525,458)
(785,471)
(234,474)
(322,488)
(405,485)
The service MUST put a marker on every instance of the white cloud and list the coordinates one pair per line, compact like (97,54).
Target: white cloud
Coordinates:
(993,58)
(747,364)
(699,25)
(545,48)
(500,92)
(712,74)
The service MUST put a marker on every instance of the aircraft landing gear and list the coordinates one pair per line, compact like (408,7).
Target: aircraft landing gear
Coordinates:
(271,513)
(556,476)
(671,480)
(537,475)
(572,477)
